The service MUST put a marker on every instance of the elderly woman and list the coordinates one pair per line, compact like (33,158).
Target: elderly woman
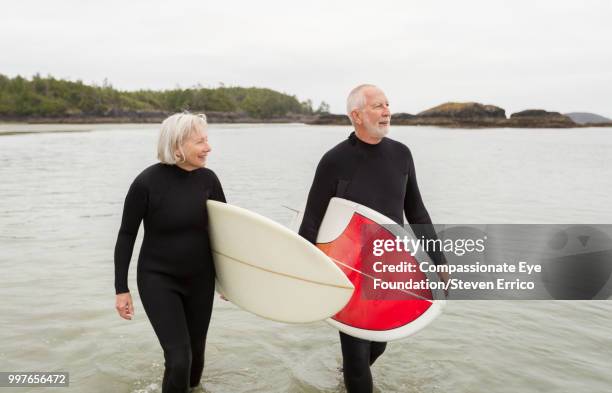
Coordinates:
(176,275)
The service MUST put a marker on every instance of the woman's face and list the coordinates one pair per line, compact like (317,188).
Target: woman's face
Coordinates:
(196,149)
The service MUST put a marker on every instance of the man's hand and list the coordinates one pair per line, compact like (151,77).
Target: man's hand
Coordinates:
(124,306)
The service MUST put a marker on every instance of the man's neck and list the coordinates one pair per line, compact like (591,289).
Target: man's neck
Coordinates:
(363,136)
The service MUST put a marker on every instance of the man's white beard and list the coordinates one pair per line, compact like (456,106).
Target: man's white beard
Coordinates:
(376,131)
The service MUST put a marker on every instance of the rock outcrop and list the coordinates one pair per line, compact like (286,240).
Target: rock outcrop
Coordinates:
(539,118)
(330,119)
(402,118)
(465,111)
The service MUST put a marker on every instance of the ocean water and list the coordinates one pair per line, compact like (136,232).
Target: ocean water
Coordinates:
(61,199)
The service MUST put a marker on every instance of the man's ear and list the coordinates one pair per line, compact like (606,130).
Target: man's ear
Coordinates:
(356,116)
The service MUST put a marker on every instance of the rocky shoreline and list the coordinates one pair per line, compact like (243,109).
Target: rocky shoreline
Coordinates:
(153,117)
(473,115)
(451,115)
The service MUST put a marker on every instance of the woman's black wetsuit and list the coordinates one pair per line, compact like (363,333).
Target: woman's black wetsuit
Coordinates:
(381,177)
(176,275)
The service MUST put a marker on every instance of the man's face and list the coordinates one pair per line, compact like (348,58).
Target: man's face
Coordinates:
(376,116)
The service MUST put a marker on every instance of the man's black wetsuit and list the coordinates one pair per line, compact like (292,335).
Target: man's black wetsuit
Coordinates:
(176,275)
(381,177)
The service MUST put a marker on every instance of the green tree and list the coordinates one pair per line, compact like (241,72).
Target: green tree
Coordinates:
(323,108)
(47,96)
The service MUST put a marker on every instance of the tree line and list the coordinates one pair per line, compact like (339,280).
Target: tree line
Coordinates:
(51,97)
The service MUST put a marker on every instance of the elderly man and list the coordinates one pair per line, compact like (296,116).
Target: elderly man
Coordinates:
(379,173)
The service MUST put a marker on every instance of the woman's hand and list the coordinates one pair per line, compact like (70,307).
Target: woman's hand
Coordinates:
(124,306)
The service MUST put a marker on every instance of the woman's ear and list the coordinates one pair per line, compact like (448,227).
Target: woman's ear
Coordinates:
(177,155)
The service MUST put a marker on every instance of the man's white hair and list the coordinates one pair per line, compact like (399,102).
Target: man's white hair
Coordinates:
(356,99)
(174,130)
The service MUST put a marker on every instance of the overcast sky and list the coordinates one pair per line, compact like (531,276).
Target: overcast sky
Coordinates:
(517,54)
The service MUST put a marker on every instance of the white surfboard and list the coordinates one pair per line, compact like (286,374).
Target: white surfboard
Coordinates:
(267,269)
(346,235)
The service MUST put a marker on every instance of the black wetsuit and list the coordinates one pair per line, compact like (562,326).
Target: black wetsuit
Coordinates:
(381,177)
(176,275)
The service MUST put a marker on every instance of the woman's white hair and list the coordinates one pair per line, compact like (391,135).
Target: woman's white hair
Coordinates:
(174,130)
(356,100)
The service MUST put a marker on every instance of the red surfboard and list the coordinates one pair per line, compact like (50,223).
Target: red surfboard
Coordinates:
(391,300)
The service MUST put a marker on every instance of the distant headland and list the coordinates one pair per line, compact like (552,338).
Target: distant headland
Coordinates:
(51,100)
(475,115)
(47,99)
